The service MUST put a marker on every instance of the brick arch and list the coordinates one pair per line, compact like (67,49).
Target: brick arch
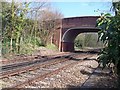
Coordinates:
(69,36)
(68,28)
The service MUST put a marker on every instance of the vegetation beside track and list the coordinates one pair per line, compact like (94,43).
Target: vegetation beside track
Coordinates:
(25,28)
(110,35)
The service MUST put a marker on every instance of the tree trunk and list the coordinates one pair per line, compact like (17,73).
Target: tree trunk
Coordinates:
(19,45)
(11,43)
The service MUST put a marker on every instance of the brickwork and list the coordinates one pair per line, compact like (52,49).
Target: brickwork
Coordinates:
(69,28)
(86,21)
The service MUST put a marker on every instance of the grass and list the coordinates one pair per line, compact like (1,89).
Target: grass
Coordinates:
(52,47)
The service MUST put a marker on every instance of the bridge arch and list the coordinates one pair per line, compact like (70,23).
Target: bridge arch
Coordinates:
(67,42)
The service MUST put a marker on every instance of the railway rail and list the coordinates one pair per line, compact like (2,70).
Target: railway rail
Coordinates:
(26,63)
(16,69)
(30,58)
(30,72)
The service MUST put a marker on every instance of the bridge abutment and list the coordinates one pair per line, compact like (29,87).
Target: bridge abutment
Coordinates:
(67,47)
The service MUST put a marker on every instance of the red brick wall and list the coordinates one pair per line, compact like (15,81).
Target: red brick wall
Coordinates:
(67,46)
(86,21)
(67,23)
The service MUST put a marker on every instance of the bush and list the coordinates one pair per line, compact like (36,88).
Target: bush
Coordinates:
(110,35)
(52,47)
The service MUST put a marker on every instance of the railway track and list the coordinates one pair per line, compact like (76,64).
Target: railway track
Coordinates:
(26,63)
(16,68)
(29,73)
(29,58)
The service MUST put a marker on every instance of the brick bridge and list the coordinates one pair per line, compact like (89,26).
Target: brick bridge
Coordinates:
(69,28)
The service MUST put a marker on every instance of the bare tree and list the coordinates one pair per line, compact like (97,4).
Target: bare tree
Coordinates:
(48,21)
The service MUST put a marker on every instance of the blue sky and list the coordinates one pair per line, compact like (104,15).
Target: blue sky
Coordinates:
(74,9)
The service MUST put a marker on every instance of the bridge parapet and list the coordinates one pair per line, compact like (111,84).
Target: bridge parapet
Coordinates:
(86,21)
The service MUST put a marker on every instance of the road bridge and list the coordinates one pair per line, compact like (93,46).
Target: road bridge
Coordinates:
(69,28)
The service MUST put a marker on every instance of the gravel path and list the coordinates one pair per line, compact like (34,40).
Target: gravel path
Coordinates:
(101,79)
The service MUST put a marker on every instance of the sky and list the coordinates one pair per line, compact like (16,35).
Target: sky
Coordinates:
(75,9)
